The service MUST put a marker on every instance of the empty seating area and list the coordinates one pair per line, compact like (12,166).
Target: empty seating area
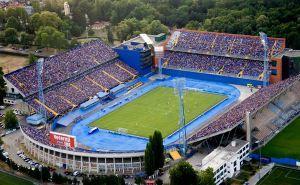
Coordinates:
(276,114)
(72,77)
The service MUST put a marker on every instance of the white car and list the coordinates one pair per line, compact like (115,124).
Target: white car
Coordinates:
(75,173)
(5,154)
(19,152)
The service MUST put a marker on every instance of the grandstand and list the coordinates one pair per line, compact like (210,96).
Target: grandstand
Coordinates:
(266,116)
(72,77)
(229,55)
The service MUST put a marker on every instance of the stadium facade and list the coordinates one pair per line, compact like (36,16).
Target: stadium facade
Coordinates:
(92,78)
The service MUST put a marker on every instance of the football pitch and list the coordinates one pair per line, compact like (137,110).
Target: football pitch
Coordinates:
(286,143)
(282,176)
(157,110)
(12,180)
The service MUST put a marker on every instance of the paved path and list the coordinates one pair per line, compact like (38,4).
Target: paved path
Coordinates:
(260,174)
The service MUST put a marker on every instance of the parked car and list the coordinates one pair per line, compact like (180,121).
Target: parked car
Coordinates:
(76,173)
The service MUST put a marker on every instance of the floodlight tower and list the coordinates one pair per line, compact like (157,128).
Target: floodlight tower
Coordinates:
(39,68)
(159,54)
(179,91)
(264,41)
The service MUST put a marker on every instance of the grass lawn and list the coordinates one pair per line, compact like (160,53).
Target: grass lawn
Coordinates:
(286,143)
(282,176)
(157,110)
(7,179)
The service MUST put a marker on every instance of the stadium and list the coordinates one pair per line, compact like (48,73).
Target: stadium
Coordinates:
(101,103)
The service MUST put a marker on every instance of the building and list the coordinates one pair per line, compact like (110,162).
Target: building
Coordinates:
(66,8)
(139,51)
(226,161)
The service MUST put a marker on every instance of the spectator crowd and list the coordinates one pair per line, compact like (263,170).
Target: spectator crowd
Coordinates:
(224,44)
(72,77)
(220,53)
(237,114)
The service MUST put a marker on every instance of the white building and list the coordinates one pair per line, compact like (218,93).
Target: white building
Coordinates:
(66,8)
(226,161)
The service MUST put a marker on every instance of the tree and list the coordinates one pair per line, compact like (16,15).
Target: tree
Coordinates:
(11,36)
(158,150)
(127,27)
(32,58)
(50,37)
(110,35)
(10,120)
(76,30)
(2,17)
(102,10)
(293,40)
(156,27)
(45,174)
(149,159)
(1,142)
(2,87)
(91,31)
(58,40)
(12,22)
(145,11)
(36,5)
(58,178)
(159,182)
(74,43)
(138,180)
(192,25)
(2,37)
(45,18)
(206,177)
(26,39)
(154,153)
(183,172)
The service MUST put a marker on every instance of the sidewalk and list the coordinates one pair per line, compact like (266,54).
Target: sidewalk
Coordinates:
(260,174)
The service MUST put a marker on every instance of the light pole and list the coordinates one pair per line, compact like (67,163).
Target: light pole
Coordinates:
(264,41)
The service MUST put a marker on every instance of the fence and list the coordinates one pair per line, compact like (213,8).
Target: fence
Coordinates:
(282,161)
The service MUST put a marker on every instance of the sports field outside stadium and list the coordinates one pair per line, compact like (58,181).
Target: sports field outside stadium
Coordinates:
(157,110)
(286,143)
(7,179)
(282,176)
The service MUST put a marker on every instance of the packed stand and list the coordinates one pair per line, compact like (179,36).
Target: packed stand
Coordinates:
(213,64)
(237,114)
(72,94)
(62,66)
(223,44)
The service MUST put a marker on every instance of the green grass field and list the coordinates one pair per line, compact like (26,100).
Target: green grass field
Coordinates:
(157,110)
(7,179)
(282,176)
(286,143)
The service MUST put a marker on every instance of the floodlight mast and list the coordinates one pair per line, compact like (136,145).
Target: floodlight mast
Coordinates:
(264,41)
(39,67)
(179,90)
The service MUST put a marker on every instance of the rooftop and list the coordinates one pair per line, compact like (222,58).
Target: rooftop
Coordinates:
(235,145)
(141,41)
(221,155)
